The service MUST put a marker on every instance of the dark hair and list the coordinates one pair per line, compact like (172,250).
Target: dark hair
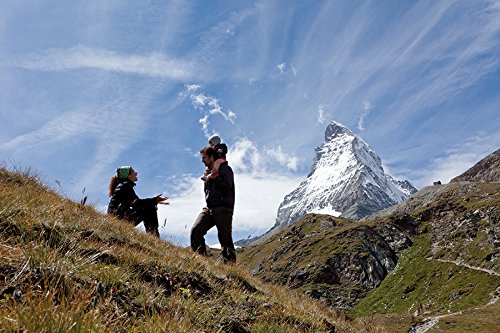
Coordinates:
(209,151)
(221,149)
(113,183)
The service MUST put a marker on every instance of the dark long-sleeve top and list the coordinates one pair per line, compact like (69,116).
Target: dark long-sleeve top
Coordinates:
(219,190)
(124,199)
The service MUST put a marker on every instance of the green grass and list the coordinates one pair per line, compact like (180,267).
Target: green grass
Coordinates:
(324,240)
(437,287)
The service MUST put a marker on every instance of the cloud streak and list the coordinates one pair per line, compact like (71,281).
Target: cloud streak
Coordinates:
(453,161)
(208,105)
(85,57)
(247,157)
(367,107)
(321,114)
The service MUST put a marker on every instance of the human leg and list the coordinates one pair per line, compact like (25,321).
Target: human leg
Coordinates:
(148,216)
(223,218)
(150,219)
(202,224)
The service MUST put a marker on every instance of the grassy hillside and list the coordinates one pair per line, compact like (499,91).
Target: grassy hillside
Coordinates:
(445,242)
(422,286)
(68,268)
(336,260)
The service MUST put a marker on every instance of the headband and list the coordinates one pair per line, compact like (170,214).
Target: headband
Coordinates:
(123,172)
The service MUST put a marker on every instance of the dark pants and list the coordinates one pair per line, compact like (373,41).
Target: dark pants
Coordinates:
(146,214)
(222,218)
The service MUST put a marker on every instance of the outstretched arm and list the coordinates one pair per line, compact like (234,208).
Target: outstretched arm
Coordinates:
(162,200)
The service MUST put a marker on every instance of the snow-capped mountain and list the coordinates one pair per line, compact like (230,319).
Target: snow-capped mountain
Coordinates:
(347,179)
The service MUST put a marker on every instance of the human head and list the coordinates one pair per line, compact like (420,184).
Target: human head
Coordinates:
(221,149)
(208,156)
(125,172)
(214,140)
(122,173)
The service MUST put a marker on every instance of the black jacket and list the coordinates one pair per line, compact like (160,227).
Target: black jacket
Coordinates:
(219,191)
(124,202)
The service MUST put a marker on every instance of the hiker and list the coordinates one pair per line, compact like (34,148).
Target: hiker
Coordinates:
(125,204)
(219,197)
(221,148)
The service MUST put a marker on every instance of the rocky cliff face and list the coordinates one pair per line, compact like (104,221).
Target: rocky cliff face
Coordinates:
(347,179)
(486,170)
(332,259)
(340,261)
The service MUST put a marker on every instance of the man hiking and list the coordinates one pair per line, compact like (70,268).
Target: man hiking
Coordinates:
(219,196)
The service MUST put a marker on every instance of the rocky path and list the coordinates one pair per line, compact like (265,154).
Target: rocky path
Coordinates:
(430,322)
(425,326)
(462,264)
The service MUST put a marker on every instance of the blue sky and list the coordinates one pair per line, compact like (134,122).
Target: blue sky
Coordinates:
(88,86)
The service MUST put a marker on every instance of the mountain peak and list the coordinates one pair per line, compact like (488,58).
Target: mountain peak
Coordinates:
(347,179)
(336,129)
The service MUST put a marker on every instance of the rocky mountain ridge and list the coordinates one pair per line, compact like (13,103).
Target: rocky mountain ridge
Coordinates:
(347,179)
(341,261)
(436,253)
(486,170)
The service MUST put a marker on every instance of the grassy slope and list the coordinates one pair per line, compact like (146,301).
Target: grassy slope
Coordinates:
(292,246)
(420,278)
(437,287)
(68,268)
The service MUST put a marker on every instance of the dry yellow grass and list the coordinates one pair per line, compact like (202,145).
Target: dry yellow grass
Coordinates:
(68,268)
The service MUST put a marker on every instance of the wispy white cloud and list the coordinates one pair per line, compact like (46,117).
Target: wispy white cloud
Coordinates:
(281,67)
(246,157)
(454,161)
(283,158)
(108,126)
(367,107)
(76,123)
(414,58)
(84,57)
(208,105)
(321,114)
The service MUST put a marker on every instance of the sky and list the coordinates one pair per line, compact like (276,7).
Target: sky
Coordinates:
(90,85)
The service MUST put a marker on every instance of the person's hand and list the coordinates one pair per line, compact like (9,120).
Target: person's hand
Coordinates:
(205,174)
(162,200)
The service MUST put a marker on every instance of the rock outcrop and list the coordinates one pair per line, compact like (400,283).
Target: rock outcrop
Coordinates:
(486,170)
(333,259)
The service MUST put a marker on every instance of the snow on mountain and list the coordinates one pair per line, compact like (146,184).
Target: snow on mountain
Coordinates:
(346,179)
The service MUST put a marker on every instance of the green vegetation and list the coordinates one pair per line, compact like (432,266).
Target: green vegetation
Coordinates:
(448,270)
(68,268)
(313,239)
(422,284)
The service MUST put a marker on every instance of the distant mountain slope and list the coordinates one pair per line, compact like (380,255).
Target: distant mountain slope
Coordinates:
(436,252)
(486,170)
(347,179)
